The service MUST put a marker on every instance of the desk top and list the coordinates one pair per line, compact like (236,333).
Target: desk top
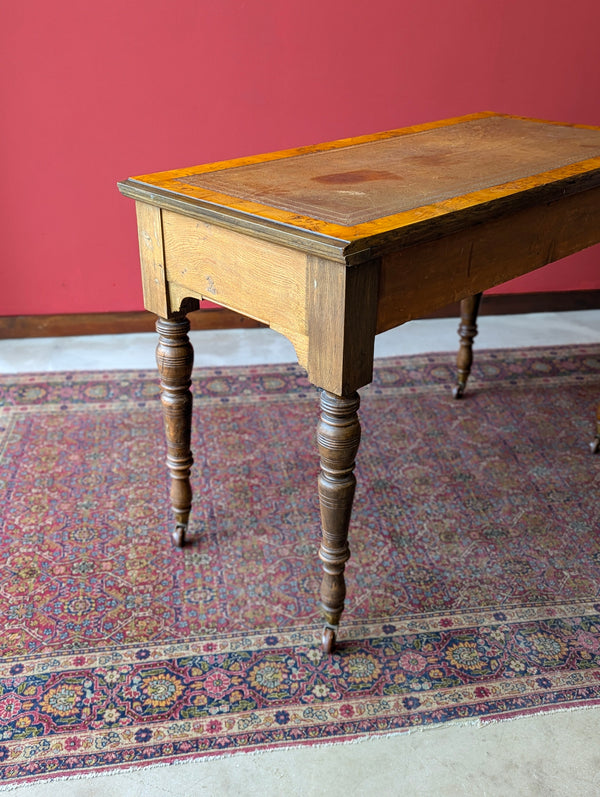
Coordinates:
(361,190)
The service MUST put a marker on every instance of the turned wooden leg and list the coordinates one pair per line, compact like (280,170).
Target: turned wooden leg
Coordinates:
(175,358)
(338,438)
(595,444)
(467,330)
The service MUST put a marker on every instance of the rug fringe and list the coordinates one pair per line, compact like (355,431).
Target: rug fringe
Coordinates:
(476,722)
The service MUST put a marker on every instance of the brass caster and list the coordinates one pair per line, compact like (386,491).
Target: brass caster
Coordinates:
(179,534)
(328,639)
(459,390)
(595,445)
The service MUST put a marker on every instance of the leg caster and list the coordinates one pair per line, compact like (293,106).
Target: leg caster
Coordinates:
(469,308)
(179,534)
(328,640)
(338,438)
(595,444)
(175,358)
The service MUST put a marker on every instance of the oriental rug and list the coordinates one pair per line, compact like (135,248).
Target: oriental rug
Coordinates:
(473,587)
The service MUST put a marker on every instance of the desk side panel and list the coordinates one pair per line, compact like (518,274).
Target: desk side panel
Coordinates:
(259,279)
(152,259)
(418,279)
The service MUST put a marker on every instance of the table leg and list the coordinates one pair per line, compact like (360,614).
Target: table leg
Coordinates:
(469,308)
(338,438)
(175,358)
(595,444)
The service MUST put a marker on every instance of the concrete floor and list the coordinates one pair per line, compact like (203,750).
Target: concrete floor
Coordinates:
(548,754)
(256,346)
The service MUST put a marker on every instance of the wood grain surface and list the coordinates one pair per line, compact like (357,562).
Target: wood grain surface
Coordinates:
(363,182)
(353,198)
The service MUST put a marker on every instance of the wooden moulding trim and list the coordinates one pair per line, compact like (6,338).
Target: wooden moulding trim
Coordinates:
(42,326)
(259,227)
(354,245)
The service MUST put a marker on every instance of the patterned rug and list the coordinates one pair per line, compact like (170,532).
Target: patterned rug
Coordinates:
(473,588)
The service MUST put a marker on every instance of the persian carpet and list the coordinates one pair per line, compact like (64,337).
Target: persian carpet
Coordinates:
(473,587)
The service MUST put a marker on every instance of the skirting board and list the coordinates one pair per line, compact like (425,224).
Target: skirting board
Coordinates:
(41,326)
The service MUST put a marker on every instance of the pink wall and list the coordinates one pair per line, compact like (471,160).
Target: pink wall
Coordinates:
(91,93)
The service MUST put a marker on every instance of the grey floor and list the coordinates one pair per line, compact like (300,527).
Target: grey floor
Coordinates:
(549,754)
(256,346)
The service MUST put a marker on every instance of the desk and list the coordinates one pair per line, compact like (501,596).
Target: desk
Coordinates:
(333,244)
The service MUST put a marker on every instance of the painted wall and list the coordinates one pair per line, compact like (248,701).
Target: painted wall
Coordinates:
(92,93)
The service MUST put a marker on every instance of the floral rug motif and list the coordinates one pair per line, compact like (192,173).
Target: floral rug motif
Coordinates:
(473,587)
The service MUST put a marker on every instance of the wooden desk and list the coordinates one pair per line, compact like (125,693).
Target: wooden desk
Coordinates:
(332,244)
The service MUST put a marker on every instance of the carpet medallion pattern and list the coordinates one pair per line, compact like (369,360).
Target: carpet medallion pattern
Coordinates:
(473,587)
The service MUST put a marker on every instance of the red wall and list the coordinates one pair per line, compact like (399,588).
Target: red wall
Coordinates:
(91,93)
